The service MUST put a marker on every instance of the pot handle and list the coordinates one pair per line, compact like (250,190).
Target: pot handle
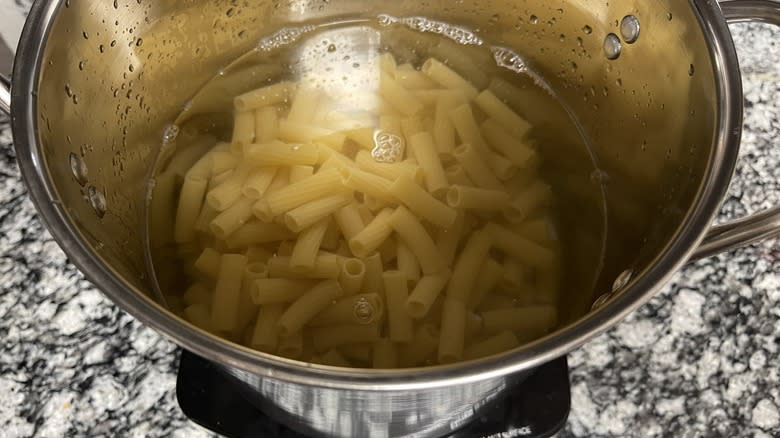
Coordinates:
(762,225)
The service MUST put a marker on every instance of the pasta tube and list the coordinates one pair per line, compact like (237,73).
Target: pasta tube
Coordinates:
(466,197)
(425,293)
(448,78)
(498,110)
(294,195)
(304,253)
(244,127)
(406,261)
(351,276)
(277,153)
(372,236)
(325,266)
(306,215)
(307,306)
(191,198)
(266,124)
(367,183)
(447,239)
(400,98)
(278,290)
(257,233)
(265,336)
(360,309)
(349,220)
(427,155)
(453,331)
(464,274)
(422,203)
(417,239)
(522,249)
(258,182)
(372,280)
(396,294)
(476,168)
(513,149)
(490,275)
(422,348)
(499,343)
(385,355)
(265,96)
(227,293)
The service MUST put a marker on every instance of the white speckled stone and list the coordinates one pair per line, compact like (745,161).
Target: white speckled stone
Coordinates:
(699,360)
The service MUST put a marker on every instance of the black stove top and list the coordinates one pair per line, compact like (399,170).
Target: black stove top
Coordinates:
(536,407)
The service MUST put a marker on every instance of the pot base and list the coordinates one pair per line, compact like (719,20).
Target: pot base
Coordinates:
(536,407)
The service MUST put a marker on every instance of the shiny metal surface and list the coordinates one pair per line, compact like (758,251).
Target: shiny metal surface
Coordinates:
(100,82)
(762,225)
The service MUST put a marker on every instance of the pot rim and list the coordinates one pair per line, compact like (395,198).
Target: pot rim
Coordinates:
(27,70)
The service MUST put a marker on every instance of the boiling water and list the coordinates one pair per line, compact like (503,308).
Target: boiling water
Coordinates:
(343,59)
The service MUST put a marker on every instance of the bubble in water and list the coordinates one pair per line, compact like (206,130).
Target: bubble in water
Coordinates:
(79,169)
(587,29)
(612,46)
(691,70)
(170,133)
(283,37)
(507,58)
(364,311)
(388,147)
(386,20)
(97,200)
(422,24)
(629,29)
(332,48)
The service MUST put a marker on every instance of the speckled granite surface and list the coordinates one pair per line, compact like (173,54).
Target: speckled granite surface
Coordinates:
(701,359)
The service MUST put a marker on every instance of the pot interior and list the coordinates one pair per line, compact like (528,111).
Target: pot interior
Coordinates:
(116,75)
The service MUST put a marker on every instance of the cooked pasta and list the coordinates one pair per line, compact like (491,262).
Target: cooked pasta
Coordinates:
(413,230)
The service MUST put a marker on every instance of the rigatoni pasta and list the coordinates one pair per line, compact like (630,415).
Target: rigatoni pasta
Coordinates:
(413,231)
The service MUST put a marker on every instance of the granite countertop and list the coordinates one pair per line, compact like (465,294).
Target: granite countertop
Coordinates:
(700,359)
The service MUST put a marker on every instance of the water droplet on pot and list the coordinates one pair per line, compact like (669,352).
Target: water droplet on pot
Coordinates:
(79,169)
(612,46)
(629,29)
(97,200)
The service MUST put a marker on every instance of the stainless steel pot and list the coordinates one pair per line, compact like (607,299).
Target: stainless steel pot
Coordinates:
(95,82)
